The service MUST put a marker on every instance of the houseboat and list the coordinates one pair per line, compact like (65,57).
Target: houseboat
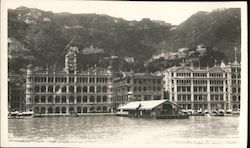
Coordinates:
(158,109)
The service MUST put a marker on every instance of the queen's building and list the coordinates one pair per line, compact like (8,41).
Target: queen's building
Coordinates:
(68,91)
(217,87)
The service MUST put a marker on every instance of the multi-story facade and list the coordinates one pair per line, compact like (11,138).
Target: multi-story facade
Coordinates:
(69,91)
(195,88)
(16,92)
(209,88)
(234,71)
(137,87)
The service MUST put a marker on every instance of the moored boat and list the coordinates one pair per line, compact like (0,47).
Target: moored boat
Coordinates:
(20,115)
(219,112)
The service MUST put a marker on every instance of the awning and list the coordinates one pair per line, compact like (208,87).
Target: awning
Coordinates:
(144,105)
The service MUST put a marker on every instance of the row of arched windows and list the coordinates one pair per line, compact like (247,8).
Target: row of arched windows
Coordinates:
(63,110)
(71,89)
(71,99)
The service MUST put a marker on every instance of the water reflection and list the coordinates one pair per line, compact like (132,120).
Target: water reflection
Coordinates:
(113,129)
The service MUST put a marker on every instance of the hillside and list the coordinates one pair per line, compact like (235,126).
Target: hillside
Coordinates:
(40,37)
(218,30)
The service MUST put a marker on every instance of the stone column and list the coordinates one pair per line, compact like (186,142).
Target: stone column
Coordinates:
(208,95)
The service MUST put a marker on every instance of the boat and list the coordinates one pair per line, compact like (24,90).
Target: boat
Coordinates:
(228,112)
(236,112)
(122,113)
(20,115)
(219,112)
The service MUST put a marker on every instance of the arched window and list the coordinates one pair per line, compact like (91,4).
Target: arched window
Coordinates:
(239,76)
(98,99)
(36,99)
(50,110)
(99,89)
(57,110)
(63,110)
(64,89)
(104,98)
(104,108)
(71,89)
(50,89)
(57,88)
(85,109)
(85,89)
(37,88)
(78,89)
(50,99)
(43,110)
(78,110)
(64,99)
(85,99)
(43,99)
(92,89)
(71,110)
(234,106)
(92,108)
(92,99)
(104,89)
(43,89)
(98,108)
(79,99)
(71,99)
(36,110)
(57,99)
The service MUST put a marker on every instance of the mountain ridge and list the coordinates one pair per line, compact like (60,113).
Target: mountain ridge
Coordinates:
(46,34)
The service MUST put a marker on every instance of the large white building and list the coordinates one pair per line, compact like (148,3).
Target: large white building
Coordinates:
(67,91)
(209,88)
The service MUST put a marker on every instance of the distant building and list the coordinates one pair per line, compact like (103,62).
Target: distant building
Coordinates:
(201,50)
(68,91)
(182,55)
(183,50)
(234,71)
(173,55)
(16,92)
(210,88)
(195,88)
(46,19)
(235,74)
(137,87)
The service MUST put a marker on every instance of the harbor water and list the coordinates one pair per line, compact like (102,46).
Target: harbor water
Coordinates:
(114,129)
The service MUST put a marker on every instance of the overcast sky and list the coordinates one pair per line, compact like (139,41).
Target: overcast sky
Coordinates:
(171,12)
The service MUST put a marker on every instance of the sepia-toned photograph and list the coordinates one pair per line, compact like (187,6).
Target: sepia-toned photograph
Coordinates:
(123,74)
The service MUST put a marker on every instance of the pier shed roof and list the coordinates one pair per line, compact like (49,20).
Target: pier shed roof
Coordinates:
(144,105)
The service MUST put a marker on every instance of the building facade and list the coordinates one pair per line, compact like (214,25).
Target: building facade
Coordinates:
(234,71)
(137,87)
(16,92)
(68,91)
(212,88)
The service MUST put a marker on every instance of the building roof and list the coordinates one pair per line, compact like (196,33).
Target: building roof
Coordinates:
(144,105)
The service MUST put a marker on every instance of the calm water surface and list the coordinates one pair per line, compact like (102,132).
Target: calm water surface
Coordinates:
(113,129)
